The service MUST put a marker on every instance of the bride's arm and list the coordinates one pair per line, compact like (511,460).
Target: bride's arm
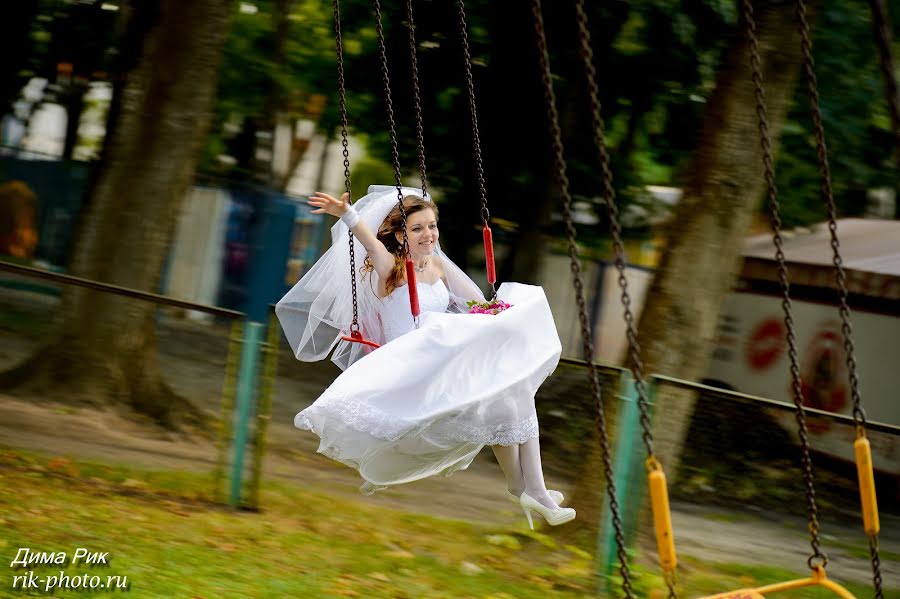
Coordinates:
(381,258)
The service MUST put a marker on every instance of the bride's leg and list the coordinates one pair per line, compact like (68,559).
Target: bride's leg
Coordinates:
(508,458)
(530,456)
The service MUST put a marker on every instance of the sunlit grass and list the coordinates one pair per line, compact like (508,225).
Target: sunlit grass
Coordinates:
(163,533)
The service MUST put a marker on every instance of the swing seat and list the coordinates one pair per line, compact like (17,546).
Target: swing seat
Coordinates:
(356,337)
(818,579)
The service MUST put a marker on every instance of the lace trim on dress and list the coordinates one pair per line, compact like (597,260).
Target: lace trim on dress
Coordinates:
(514,433)
(371,421)
(358,416)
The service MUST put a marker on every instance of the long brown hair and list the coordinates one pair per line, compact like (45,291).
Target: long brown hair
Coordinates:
(387,234)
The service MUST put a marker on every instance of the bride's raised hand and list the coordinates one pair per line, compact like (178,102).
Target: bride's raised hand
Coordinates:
(326,204)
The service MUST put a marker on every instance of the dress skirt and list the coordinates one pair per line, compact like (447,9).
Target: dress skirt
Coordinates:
(427,402)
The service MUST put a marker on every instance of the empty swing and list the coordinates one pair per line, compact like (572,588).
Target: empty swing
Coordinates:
(862,450)
(656,477)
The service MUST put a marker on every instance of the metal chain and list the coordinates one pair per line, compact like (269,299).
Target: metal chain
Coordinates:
(818,557)
(473,114)
(392,130)
(342,98)
(883,39)
(609,198)
(476,137)
(876,566)
(859,415)
(417,100)
(586,334)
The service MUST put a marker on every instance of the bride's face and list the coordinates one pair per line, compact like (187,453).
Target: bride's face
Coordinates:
(422,231)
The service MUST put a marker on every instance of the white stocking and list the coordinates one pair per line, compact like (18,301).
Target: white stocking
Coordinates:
(530,456)
(508,458)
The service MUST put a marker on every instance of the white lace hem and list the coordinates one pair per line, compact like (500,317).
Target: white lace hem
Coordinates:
(371,421)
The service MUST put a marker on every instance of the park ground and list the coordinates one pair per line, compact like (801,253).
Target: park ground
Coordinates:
(81,476)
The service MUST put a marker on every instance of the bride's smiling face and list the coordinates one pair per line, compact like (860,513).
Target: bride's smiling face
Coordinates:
(422,231)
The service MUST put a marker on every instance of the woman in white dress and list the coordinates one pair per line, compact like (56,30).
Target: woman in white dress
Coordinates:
(438,390)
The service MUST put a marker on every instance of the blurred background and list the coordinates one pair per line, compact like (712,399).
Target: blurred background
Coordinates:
(155,158)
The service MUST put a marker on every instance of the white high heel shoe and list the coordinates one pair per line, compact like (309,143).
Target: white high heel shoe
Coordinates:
(554,517)
(556,496)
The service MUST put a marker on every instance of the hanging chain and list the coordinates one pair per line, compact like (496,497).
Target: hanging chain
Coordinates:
(559,165)
(883,40)
(417,100)
(859,415)
(876,566)
(395,152)
(609,197)
(342,96)
(818,558)
(476,137)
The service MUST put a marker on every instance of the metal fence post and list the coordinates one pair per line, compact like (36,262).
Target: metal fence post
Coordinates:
(228,390)
(245,391)
(266,383)
(628,481)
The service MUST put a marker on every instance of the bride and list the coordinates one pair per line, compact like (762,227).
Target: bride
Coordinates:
(438,390)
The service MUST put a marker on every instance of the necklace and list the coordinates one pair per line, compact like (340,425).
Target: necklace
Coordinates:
(422,268)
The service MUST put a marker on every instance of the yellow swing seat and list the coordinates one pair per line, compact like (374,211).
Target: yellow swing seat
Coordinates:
(818,578)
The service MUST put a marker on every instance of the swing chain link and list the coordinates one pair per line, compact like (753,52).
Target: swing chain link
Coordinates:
(859,415)
(669,577)
(883,39)
(818,557)
(342,98)
(476,137)
(876,567)
(395,151)
(417,99)
(609,198)
(586,335)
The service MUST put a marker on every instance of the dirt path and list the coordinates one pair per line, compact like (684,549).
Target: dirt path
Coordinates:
(710,534)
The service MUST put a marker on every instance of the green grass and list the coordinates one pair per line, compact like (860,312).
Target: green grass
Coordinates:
(163,533)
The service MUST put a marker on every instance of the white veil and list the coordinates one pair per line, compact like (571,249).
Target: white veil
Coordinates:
(319,308)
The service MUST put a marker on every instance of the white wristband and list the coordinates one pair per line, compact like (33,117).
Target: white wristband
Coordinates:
(350,217)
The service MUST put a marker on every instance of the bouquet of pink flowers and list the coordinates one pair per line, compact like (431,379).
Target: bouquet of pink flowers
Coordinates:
(494,306)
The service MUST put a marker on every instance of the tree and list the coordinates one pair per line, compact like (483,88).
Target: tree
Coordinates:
(104,350)
(279,64)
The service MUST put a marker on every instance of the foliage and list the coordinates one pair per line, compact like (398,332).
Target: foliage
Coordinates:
(855,115)
(656,62)
(298,78)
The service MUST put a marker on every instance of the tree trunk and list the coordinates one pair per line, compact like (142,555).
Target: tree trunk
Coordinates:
(723,188)
(105,347)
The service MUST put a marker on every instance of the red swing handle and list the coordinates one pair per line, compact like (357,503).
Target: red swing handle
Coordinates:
(489,254)
(356,337)
(413,290)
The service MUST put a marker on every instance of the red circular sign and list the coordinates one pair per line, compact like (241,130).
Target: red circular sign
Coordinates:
(766,344)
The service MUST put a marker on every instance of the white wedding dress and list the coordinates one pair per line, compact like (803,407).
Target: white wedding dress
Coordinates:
(433,396)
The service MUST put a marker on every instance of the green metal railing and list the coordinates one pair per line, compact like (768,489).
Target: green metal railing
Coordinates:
(241,389)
